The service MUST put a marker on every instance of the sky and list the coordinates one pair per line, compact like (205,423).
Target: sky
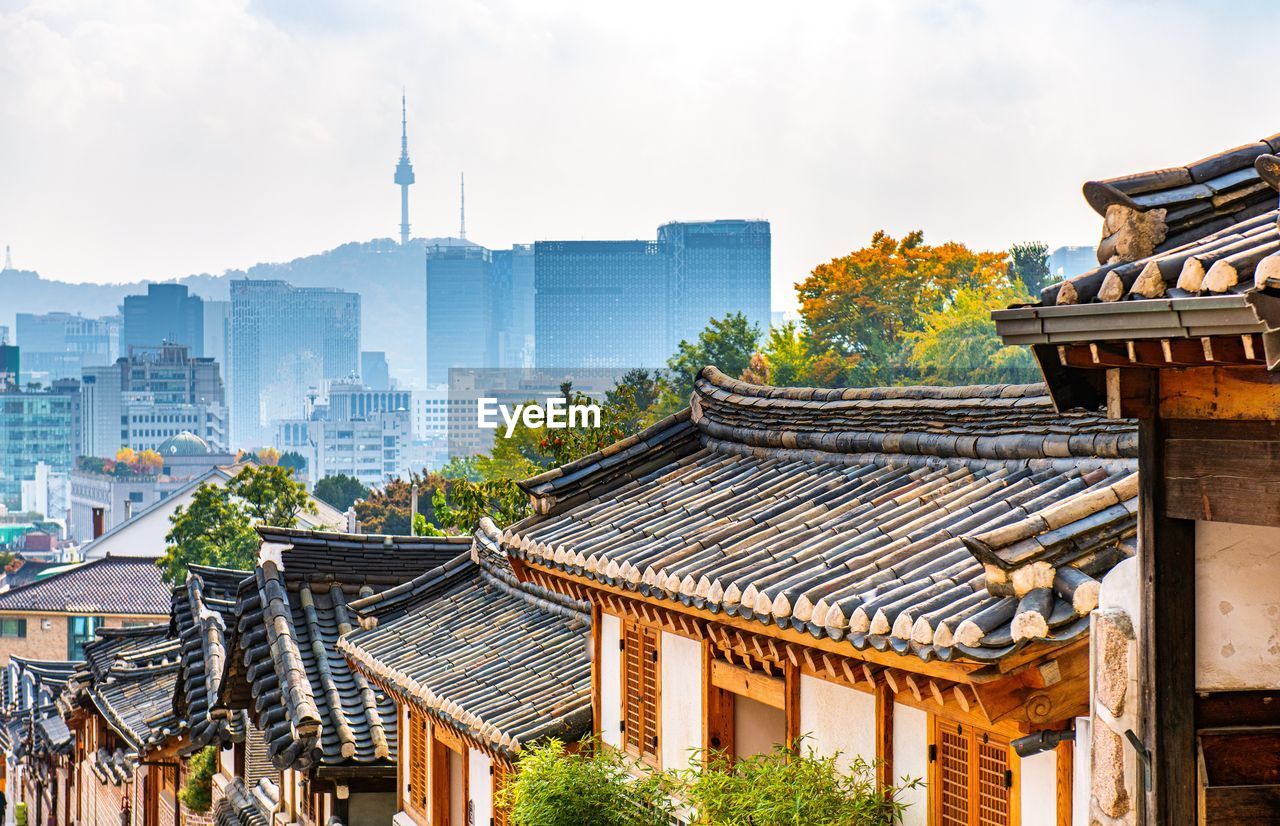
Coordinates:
(157,139)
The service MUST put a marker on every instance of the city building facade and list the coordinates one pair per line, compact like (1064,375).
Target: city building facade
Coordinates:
(285,340)
(463,311)
(59,345)
(167,314)
(37,426)
(355,431)
(714,268)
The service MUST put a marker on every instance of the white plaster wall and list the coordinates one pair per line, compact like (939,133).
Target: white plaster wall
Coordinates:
(1081,777)
(1038,789)
(836,718)
(457,792)
(1237,606)
(757,728)
(481,779)
(681,710)
(402,731)
(911,759)
(610,681)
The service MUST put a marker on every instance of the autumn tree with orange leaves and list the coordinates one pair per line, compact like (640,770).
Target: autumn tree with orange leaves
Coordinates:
(861,311)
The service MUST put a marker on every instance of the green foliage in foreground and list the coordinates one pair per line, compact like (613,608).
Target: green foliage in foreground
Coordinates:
(555,786)
(197,794)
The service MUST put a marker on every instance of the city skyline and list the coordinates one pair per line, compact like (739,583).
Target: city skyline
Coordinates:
(285,159)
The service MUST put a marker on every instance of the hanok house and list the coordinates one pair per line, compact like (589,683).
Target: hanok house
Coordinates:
(52,617)
(899,574)
(245,788)
(119,706)
(37,752)
(480,664)
(1180,329)
(330,733)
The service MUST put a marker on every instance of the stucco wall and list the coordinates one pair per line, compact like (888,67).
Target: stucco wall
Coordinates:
(911,759)
(681,709)
(481,785)
(610,681)
(837,718)
(1080,773)
(1038,789)
(1237,606)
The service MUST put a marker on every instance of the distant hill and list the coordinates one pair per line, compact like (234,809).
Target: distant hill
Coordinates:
(390,278)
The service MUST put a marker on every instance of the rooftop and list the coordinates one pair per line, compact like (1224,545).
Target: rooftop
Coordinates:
(111,585)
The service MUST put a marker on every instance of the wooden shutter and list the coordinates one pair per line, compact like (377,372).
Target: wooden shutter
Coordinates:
(971,776)
(418,756)
(640,691)
(502,773)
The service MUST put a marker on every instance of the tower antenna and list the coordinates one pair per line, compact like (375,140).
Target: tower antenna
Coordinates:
(462,228)
(8,259)
(404,170)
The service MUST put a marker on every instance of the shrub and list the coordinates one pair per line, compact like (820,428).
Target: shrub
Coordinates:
(197,794)
(554,786)
(787,787)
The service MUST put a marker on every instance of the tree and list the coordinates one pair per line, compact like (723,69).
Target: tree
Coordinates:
(459,504)
(1029,263)
(726,342)
(786,358)
(958,344)
(340,491)
(859,309)
(386,509)
(294,461)
(217,528)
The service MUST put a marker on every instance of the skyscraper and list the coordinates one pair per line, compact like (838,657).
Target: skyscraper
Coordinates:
(462,305)
(285,340)
(404,172)
(37,426)
(513,273)
(599,304)
(167,313)
(59,345)
(374,371)
(714,268)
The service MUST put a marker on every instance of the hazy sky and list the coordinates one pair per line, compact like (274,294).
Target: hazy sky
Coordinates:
(155,139)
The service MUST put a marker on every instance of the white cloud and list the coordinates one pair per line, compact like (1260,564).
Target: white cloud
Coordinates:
(153,139)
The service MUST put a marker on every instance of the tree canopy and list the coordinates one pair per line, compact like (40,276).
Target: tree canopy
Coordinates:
(341,491)
(727,342)
(1029,264)
(217,527)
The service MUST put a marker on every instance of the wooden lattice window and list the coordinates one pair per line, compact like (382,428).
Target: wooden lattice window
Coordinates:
(502,774)
(640,691)
(972,778)
(419,754)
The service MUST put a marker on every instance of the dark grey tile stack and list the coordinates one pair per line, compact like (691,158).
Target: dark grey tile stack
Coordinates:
(844,513)
(504,662)
(312,707)
(203,619)
(111,585)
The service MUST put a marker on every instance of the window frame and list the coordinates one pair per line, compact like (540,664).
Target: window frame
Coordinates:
(649,711)
(19,626)
(92,624)
(975,738)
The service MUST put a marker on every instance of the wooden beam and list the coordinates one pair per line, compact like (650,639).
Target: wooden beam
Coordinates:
(1166,554)
(771,691)
(1219,393)
(1223,481)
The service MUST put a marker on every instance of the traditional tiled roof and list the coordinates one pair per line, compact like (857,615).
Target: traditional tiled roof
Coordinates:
(52,734)
(115,767)
(1156,211)
(111,585)
(134,694)
(844,513)
(311,705)
(203,618)
(48,675)
(237,807)
(505,662)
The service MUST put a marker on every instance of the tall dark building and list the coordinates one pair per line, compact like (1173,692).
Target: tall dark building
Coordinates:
(284,341)
(714,268)
(599,304)
(513,272)
(167,313)
(463,311)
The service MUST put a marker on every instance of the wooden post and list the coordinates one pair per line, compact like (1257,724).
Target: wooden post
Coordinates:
(791,706)
(717,711)
(884,735)
(1167,559)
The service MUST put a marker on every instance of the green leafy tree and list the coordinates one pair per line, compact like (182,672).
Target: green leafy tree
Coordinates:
(460,504)
(958,344)
(554,786)
(726,342)
(217,527)
(788,787)
(197,794)
(386,509)
(1029,264)
(786,359)
(341,491)
(293,460)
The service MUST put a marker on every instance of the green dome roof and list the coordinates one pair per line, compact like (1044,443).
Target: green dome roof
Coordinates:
(185,443)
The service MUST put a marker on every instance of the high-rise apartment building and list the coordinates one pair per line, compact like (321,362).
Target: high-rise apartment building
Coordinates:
(286,340)
(217,331)
(150,396)
(37,426)
(599,304)
(715,268)
(513,274)
(356,431)
(374,370)
(167,313)
(463,311)
(59,345)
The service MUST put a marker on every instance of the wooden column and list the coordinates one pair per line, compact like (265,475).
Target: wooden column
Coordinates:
(1167,560)
(884,735)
